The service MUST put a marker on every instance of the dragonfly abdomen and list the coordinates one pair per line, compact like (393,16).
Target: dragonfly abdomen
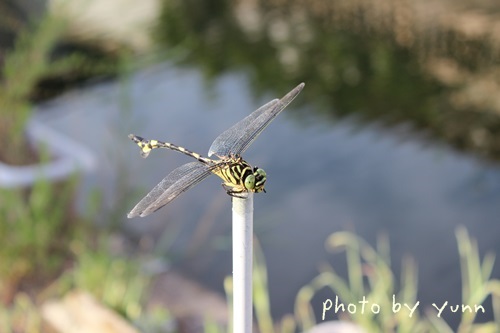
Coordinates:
(148,145)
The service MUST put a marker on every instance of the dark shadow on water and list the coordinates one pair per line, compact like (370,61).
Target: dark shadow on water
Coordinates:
(350,67)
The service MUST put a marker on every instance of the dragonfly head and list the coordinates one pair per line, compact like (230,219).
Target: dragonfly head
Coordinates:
(255,181)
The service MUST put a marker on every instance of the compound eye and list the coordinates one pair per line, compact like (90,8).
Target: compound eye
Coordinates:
(261,173)
(250,182)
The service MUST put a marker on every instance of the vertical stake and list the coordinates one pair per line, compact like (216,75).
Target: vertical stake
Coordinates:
(242,263)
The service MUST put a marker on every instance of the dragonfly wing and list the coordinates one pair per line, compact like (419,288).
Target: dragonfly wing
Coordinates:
(222,144)
(175,183)
(240,136)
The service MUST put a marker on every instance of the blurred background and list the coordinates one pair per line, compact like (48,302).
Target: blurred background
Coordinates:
(389,154)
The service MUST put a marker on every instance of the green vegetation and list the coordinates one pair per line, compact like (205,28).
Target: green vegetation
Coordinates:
(22,69)
(33,60)
(477,286)
(115,280)
(34,233)
(47,250)
(370,275)
(21,316)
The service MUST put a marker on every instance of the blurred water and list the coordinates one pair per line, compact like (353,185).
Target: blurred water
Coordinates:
(322,177)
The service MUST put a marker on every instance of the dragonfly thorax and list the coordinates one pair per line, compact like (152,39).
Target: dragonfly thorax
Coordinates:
(240,177)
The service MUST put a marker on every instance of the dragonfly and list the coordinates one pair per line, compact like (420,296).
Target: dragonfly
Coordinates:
(238,175)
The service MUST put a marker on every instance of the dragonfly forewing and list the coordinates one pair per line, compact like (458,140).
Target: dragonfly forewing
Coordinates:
(240,136)
(223,143)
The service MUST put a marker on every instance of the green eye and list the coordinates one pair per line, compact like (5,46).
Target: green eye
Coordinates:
(250,182)
(261,173)
(260,179)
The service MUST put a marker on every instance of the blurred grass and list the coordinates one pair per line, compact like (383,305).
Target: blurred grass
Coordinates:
(22,316)
(115,280)
(22,69)
(46,249)
(34,233)
(40,62)
(370,275)
(477,286)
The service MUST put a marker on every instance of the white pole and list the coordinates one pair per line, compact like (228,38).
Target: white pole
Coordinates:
(242,264)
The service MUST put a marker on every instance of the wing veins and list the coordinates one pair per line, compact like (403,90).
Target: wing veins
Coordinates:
(235,140)
(174,184)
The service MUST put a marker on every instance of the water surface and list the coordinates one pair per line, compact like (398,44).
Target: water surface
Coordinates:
(323,177)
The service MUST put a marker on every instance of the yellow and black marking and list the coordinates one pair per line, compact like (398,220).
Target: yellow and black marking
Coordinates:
(239,177)
(148,145)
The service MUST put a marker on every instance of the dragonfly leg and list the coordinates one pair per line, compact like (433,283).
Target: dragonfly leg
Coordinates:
(241,195)
(234,192)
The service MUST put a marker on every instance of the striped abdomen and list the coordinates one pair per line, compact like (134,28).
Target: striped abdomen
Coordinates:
(148,145)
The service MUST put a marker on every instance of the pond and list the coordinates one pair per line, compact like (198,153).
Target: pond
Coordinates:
(322,178)
(374,145)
